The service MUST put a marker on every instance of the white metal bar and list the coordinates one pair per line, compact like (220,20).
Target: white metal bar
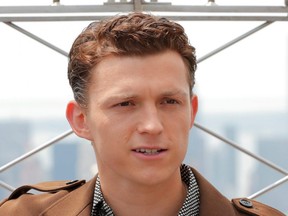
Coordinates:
(184,12)
(155,7)
(268,188)
(66,9)
(230,43)
(6,186)
(66,18)
(261,159)
(34,151)
(40,40)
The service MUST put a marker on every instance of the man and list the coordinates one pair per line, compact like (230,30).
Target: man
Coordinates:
(132,77)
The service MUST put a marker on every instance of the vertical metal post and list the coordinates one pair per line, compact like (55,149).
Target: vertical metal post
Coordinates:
(56,2)
(211,2)
(137,5)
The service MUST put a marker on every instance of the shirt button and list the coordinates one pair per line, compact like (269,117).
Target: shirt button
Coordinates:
(246,203)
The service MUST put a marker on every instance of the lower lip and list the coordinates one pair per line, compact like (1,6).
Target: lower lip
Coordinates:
(157,156)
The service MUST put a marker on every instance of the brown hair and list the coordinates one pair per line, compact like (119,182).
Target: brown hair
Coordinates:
(135,34)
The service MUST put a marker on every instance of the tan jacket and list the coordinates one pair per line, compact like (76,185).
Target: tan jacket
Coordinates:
(76,197)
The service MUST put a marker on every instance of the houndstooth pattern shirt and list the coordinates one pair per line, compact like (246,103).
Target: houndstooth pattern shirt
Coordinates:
(190,206)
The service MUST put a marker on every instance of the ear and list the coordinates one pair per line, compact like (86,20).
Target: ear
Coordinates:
(76,117)
(194,108)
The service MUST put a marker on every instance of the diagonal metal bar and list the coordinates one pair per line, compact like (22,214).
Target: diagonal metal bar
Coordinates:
(261,159)
(268,188)
(6,186)
(234,41)
(34,151)
(40,40)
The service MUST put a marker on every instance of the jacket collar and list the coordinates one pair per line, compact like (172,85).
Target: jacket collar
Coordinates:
(80,201)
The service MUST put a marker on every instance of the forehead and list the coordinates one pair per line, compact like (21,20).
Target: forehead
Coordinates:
(158,70)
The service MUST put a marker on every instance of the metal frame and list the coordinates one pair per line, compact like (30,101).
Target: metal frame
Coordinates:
(210,12)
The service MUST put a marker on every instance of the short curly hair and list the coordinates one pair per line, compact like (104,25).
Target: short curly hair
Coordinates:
(135,34)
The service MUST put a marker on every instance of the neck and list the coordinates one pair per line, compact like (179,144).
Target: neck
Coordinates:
(129,198)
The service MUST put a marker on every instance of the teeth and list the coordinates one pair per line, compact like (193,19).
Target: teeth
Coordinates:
(147,151)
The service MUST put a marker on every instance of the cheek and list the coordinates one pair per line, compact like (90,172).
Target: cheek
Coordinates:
(112,147)
(180,131)
(110,136)
(183,122)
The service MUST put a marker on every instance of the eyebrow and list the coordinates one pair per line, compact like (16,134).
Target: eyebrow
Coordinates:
(174,92)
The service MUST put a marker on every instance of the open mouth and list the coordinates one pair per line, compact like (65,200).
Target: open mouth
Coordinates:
(149,151)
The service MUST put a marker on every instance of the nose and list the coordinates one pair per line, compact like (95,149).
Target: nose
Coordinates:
(150,121)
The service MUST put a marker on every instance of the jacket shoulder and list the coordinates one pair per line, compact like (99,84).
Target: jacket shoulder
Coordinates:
(22,202)
(252,207)
(212,202)
(50,187)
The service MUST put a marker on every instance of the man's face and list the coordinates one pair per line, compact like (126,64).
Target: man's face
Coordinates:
(139,116)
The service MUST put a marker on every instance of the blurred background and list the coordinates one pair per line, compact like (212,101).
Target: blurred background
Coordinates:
(242,92)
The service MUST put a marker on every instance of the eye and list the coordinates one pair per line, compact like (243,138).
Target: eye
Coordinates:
(125,103)
(170,101)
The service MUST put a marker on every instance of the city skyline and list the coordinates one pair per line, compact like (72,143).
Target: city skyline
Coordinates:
(217,161)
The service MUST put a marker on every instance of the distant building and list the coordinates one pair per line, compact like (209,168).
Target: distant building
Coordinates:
(222,171)
(196,150)
(275,150)
(65,160)
(14,139)
(72,159)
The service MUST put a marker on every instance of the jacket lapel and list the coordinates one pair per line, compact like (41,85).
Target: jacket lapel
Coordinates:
(212,202)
